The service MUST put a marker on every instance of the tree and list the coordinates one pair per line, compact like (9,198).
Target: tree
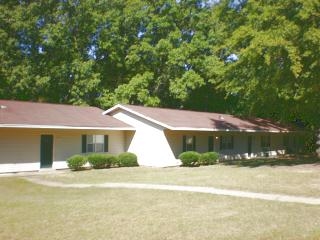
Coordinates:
(171,59)
(46,51)
(277,46)
(253,58)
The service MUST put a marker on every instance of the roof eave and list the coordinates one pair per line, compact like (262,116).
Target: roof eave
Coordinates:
(225,130)
(32,126)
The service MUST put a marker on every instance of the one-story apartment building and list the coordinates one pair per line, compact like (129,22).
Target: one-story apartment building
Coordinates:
(41,135)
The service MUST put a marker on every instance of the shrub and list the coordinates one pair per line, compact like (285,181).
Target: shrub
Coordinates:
(76,162)
(128,160)
(189,159)
(100,160)
(208,158)
(114,160)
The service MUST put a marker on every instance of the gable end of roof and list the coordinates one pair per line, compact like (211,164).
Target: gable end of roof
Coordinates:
(127,109)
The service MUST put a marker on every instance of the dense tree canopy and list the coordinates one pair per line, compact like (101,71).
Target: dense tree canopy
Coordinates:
(252,58)
(277,71)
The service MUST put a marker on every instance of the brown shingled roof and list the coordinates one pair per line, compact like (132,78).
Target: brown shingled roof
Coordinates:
(183,120)
(18,113)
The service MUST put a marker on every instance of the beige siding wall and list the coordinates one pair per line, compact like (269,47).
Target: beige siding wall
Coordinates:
(128,139)
(240,150)
(20,148)
(66,145)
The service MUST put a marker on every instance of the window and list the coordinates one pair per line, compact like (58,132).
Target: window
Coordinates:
(265,142)
(94,143)
(189,143)
(226,142)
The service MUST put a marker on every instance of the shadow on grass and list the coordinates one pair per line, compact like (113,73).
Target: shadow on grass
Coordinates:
(279,161)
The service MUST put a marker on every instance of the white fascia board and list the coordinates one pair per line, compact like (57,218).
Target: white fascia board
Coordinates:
(63,127)
(112,109)
(223,130)
(119,106)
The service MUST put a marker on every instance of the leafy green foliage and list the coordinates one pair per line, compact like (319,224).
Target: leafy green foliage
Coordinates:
(275,75)
(76,162)
(208,158)
(190,80)
(190,159)
(127,159)
(99,160)
(114,160)
(166,53)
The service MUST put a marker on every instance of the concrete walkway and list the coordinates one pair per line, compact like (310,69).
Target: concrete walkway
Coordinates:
(209,190)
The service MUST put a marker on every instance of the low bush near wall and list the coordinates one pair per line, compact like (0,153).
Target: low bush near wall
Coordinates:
(76,162)
(189,159)
(208,158)
(128,160)
(114,160)
(100,160)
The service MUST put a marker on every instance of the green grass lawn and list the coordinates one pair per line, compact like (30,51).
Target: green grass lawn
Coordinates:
(30,211)
(303,180)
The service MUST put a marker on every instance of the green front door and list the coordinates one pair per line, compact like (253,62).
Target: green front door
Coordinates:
(46,151)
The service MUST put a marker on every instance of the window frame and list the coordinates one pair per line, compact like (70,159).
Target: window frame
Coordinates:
(189,143)
(95,143)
